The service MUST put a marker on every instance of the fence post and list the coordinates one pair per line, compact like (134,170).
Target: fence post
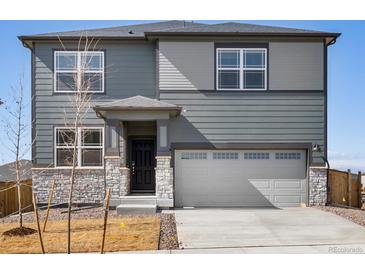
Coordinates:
(349,187)
(329,187)
(359,188)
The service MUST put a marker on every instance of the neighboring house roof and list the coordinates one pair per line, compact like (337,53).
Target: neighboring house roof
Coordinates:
(142,31)
(137,103)
(8,172)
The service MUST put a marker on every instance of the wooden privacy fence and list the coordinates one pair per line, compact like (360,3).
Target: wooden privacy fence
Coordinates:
(344,188)
(9,198)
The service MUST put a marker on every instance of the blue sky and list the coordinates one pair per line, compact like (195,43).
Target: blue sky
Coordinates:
(346,81)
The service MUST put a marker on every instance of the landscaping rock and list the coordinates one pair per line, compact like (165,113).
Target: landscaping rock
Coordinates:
(168,232)
(355,215)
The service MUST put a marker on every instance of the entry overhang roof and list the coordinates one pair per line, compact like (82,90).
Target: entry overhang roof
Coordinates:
(137,103)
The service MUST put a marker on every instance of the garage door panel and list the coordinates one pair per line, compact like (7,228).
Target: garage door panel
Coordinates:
(260,184)
(227,201)
(286,184)
(239,181)
(287,199)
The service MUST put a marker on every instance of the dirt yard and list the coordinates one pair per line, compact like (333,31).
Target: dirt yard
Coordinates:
(127,233)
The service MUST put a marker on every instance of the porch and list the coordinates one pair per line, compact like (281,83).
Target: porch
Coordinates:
(137,152)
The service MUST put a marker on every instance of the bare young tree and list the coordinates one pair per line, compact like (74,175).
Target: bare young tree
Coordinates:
(16,129)
(80,83)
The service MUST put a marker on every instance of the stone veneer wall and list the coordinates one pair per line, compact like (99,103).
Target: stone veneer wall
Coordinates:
(317,186)
(117,178)
(164,181)
(89,185)
(88,188)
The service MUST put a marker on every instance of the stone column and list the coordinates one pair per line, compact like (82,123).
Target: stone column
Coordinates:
(125,181)
(112,137)
(317,186)
(163,142)
(164,182)
(116,173)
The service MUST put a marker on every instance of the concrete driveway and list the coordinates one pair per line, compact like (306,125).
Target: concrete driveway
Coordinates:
(291,230)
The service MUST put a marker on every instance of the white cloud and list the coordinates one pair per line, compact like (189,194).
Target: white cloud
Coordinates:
(344,161)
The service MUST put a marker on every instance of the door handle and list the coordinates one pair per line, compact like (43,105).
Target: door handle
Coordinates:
(133,165)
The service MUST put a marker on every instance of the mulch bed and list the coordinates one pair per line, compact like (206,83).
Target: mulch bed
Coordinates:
(168,233)
(19,231)
(355,215)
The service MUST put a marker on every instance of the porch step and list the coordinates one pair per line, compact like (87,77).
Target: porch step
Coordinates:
(137,204)
(138,200)
(136,209)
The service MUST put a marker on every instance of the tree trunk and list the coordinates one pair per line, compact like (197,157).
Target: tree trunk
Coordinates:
(19,195)
(17,167)
(72,181)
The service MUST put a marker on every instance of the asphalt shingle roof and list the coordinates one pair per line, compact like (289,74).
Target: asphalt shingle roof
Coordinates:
(239,27)
(136,102)
(137,30)
(8,172)
(178,28)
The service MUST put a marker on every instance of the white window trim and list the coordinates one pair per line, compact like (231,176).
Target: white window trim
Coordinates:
(79,148)
(78,56)
(241,69)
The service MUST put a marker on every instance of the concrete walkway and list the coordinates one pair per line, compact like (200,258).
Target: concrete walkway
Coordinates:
(291,230)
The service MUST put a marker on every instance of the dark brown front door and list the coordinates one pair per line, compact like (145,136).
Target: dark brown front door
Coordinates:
(142,165)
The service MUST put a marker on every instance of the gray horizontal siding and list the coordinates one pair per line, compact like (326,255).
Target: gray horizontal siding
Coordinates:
(298,66)
(186,65)
(130,69)
(277,117)
(291,65)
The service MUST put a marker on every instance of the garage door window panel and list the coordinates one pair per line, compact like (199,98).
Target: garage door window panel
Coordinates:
(256,156)
(225,155)
(287,156)
(194,156)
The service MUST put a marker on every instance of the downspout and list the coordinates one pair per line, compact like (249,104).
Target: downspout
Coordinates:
(327,179)
(333,41)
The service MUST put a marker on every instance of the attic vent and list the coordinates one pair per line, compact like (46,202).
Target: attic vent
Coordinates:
(130,32)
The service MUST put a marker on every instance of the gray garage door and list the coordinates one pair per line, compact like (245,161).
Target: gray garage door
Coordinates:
(214,178)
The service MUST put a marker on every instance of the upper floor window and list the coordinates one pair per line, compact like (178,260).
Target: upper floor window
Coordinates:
(79,71)
(241,69)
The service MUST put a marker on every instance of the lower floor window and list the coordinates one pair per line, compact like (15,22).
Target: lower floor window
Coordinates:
(89,147)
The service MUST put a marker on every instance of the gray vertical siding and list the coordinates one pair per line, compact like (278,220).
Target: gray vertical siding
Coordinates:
(186,65)
(129,70)
(296,66)
(266,117)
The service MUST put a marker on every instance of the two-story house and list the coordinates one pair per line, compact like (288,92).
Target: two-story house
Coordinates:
(186,115)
